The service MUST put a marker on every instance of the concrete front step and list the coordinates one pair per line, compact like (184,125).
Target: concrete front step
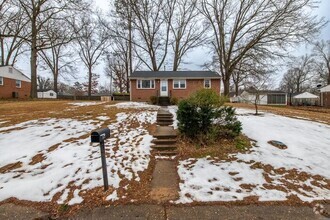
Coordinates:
(164,141)
(167,153)
(166,123)
(164,147)
(164,119)
(163,131)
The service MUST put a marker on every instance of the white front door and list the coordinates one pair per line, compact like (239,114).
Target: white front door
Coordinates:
(163,87)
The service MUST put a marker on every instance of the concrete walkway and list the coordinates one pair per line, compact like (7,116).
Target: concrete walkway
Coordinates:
(200,212)
(164,182)
(160,212)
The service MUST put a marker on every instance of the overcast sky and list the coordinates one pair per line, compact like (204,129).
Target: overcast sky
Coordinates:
(195,58)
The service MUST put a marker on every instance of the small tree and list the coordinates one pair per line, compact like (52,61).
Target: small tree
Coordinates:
(257,84)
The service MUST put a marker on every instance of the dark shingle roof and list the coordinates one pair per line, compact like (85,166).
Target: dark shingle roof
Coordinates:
(252,91)
(174,74)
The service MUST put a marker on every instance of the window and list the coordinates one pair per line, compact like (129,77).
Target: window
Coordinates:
(207,83)
(51,94)
(1,81)
(18,83)
(145,84)
(276,99)
(179,84)
(10,70)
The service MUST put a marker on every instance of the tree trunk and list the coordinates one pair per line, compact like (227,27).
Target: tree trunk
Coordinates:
(2,52)
(226,85)
(34,54)
(130,57)
(236,89)
(55,81)
(89,82)
(256,106)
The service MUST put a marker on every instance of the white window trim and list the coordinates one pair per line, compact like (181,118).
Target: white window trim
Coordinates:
(1,82)
(210,84)
(137,83)
(185,83)
(20,84)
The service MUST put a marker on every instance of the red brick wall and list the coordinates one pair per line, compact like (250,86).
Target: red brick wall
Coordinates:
(143,95)
(9,86)
(192,86)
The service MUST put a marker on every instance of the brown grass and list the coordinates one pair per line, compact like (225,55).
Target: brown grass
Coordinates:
(222,149)
(311,113)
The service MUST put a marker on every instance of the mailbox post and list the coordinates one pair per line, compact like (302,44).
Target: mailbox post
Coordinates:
(100,136)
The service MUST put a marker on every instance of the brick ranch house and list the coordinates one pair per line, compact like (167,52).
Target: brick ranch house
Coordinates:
(13,83)
(167,84)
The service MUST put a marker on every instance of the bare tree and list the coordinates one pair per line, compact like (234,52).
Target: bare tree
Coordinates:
(92,84)
(123,27)
(44,83)
(187,29)
(93,39)
(12,25)
(300,74)
(265,26)
(116,69)
(39,13)
(59,58)
(257,84)
(322,51)
(152,26)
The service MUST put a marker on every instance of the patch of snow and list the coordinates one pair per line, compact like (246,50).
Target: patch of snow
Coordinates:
(165,157)
(38,135)
(308,143)
(173,109)
(103,118)
(134,105)
(80,104)
(308,151)
(113,196)
(76,163)
(76,198)
(3,122)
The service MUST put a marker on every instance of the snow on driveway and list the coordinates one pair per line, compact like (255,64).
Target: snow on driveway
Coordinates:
(267,172)
(74,167)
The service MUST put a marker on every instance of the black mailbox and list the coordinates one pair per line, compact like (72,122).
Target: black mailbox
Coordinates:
(100,135)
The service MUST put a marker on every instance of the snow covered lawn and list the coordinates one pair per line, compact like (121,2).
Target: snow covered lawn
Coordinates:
(53,160)
(267,172)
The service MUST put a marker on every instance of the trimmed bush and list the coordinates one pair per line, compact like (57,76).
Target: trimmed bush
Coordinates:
(174,101)
(154,100)
(202,117)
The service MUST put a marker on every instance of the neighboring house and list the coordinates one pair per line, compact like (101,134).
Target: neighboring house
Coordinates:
(325,96)
(266,97)
(235,98)
(305,99)
(13,83)
(47,94)
(167,84)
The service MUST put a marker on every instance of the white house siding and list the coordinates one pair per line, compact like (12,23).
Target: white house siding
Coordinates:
(47,95)
(263,98)
(13,73)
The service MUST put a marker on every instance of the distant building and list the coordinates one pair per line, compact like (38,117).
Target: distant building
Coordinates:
(266,97)
(13,83)
(305,99)
(325,96)
(47,94)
